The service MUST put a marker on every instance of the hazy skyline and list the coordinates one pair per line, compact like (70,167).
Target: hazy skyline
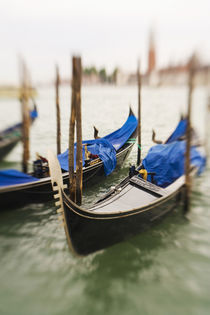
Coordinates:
(109,33)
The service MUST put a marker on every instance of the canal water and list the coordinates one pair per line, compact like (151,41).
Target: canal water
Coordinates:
(165,270)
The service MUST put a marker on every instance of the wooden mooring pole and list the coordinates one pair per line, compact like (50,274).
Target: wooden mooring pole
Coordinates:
(57,96)
(188,141)
(75,184)
(79,172)
(139,114)
(71,135)
(25,116)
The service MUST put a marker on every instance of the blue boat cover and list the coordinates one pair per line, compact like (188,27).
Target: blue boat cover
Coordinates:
(14,177)
(168,162)
(179,132)
(119,137)
(104,147)
(100,147)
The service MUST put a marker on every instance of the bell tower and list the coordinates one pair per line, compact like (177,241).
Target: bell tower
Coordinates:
(151,53)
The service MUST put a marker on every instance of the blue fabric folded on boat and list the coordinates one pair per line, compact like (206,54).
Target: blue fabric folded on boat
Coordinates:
(14,177)
(104,147)
(119,137)
(101,147)
(179,132)
(168,162)
(63,158)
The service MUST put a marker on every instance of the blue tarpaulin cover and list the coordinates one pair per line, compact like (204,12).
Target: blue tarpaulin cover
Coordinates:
(14,177)
(100,147)
(104,147)
(179,132)
(119,137)
(168,160)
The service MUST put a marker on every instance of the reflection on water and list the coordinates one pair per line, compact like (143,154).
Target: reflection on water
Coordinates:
(165,270)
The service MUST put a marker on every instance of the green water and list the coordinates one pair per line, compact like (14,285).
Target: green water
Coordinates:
(165,270)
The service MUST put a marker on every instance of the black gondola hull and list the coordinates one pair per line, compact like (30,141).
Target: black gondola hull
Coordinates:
(10,137)
(88,234)
(7,148)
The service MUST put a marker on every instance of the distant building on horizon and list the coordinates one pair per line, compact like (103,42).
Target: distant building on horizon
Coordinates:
(171,75)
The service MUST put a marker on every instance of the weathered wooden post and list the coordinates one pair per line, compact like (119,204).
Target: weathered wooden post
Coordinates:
(139,114)
(79,160)
(25,116)
(188,140)
(71,134)
(75,184)
(57,85)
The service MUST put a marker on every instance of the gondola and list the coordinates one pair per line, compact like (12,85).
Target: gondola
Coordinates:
(12,135)
(33,189)
(131,206)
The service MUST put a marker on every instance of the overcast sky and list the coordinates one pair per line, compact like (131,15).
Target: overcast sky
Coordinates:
(106,33)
